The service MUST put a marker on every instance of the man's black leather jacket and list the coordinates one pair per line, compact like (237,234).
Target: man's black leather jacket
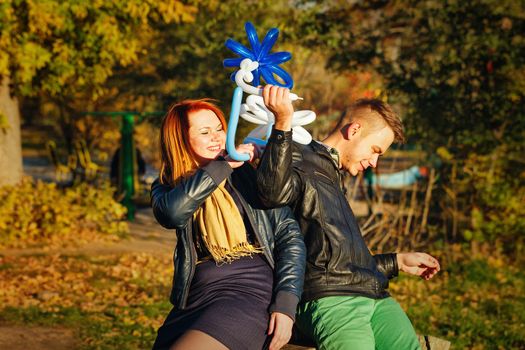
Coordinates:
(307,179)
(275,229)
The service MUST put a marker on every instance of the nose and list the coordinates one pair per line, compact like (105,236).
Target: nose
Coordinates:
(373,160)
(216,134)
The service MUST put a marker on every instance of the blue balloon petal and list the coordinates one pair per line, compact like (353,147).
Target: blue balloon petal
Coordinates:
(268,41)
(268,75)
(232,62)
(281,73)
(252,37)
(275,58)
(256,77)
(239,49)
(232,76)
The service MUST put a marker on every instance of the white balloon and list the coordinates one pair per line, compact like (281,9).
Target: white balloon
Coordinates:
(244,75)
(303,117)
(253,115)
(254,110)
(301,135)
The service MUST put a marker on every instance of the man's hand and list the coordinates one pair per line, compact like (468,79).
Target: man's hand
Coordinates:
(277,100)
(418,264)
(281,328)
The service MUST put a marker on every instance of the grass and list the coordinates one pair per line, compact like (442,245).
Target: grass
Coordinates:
(476,304)
(111,302)
(109,329)
(119,301)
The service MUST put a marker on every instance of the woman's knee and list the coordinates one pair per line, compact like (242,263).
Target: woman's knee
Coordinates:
(197,340)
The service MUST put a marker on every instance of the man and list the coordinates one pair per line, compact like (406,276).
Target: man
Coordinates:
(345,303)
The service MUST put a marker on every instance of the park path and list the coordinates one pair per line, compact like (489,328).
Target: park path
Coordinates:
(145,236)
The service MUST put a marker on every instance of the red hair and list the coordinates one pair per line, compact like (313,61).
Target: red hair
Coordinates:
(177,157)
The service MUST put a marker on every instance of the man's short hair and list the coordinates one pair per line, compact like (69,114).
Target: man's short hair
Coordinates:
(373,114)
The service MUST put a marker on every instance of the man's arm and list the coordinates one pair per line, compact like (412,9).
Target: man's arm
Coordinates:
(277,182)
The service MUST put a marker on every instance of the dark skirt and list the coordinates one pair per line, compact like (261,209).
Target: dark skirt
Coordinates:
(228,302)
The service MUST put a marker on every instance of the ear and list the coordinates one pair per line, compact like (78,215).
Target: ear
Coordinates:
(352,130)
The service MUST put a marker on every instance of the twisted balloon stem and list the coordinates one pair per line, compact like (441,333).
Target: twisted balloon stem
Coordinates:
(244,75)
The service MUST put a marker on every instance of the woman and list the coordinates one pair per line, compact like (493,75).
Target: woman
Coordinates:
(238,267)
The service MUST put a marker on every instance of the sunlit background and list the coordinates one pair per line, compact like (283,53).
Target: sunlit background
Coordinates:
(79,270)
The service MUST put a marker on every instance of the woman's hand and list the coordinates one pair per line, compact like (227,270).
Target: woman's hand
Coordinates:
(259,150)
(243,148)
(418,264)
(281,328)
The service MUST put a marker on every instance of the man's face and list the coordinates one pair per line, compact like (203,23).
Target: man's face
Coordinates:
(360,152)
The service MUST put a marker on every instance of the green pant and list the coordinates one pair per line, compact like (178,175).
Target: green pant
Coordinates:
(357,323)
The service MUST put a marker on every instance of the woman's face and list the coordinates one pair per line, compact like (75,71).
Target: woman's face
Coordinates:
(206,135)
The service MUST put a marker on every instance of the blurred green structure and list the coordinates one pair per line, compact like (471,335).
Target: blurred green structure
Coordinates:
(127,174)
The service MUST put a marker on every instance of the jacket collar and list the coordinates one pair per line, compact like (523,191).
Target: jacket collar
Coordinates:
(325,152)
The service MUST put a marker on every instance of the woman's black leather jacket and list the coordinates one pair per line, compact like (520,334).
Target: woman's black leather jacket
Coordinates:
(275,229)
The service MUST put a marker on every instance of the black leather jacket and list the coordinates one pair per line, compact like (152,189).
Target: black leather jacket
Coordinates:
(275,229)
(307,179)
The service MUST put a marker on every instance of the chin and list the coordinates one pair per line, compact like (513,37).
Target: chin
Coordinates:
(351,171)
(214,155)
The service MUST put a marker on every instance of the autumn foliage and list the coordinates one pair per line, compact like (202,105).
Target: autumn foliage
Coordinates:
(34,212)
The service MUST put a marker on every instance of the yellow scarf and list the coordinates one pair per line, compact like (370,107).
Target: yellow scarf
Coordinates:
(222,228)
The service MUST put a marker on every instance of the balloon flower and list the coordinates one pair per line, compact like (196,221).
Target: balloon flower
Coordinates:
(254,64)
(268,63)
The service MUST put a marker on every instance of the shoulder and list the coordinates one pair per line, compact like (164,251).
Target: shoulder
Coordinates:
(301,153)
(157,184)
(305,156)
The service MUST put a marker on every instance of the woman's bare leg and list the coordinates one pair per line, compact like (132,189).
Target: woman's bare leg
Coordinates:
(197,340)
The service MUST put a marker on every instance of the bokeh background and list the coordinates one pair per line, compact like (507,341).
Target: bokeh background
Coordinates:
(74,273)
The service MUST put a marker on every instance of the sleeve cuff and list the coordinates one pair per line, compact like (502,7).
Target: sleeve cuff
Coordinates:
(280,136)
(395,273)
(387,264)
(218,170)
(285,303)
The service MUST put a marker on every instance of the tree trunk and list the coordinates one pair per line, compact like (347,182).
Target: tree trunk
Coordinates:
(10,142)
